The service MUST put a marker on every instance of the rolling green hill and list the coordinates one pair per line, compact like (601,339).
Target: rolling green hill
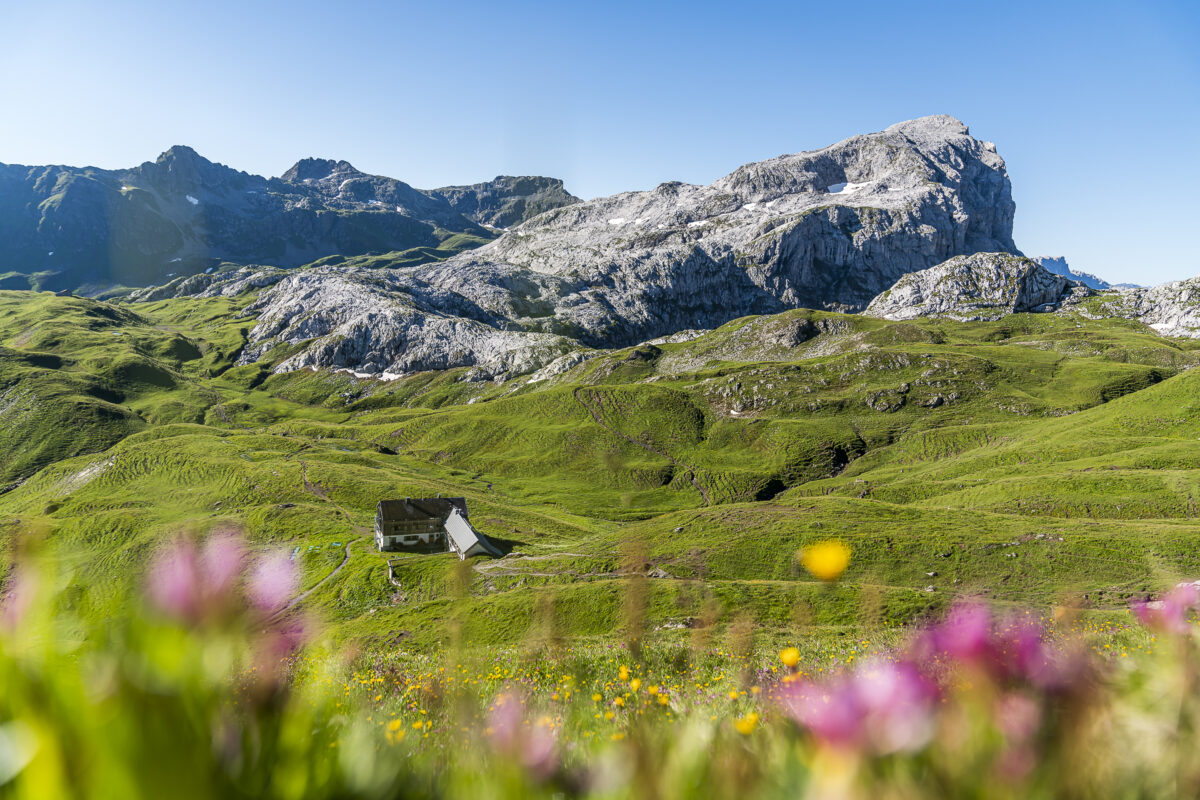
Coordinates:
(1035,459)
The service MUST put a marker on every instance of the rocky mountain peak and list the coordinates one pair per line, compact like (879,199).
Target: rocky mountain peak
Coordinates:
(826,229)
(935,125)
(506,199)
(315,169)
(182,169)
(1059,266)
(181,154)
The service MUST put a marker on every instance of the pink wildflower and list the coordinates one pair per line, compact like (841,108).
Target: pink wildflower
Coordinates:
(273,582)
(1170,614)
(531,746)
(222,564)
(17,601)
(885,706)
(174,582)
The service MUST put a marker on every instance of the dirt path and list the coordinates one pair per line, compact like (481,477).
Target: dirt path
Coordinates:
(305,594)
(322,494)
(691,471)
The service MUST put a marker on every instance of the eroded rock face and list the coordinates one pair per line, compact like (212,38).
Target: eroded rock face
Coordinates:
(388,324)
(1172,309)
(506,200)
(982,286)
(826,229)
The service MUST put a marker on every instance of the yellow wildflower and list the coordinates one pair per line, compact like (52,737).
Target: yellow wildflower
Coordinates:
(746,725)
(790,656)
(826,560)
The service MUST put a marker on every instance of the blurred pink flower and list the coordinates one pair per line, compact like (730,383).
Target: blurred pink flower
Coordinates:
(1017,716)
(899,704)
(830,710)
(223,562)
(16,602)
(174,582)
(274,647)
(533,746)
(1170,614)
(965,634)
(885,706)
(273,582)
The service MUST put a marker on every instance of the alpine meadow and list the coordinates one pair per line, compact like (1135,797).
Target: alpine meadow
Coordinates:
(803,482)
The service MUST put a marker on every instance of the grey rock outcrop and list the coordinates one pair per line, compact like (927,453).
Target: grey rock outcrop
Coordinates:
(825,229)
(389,323)
(1171,309)
(225,283)
(983,286)
(507,200)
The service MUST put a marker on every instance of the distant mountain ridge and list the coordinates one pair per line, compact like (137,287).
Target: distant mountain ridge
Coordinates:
(826,229)
(66,227)
(1058,265)
(506,200)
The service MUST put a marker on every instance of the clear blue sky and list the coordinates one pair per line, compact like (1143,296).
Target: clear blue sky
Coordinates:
(1094,105)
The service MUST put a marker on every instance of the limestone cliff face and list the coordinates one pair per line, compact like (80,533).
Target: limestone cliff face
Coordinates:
(1172,309)
(982,286)
(825,229)
(506,200)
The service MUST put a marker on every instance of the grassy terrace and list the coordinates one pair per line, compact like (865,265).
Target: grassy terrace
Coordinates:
(1030,460)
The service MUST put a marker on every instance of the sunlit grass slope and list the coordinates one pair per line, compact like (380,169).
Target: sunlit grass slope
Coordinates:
(1034,459)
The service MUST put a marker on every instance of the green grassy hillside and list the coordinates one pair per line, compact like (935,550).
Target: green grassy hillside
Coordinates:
(1036,459)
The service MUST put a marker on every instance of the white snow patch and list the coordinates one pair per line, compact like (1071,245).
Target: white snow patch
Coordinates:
(399,210)
(175,260)
(390,376)
(209,270)
(846,188)
(617,221)
(171,274)
(697,223)
(662,227)
(750,206)
(374,202)
(192,200)
(50,253)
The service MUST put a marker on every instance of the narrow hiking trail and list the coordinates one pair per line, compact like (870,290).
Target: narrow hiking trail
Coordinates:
(307,592)
(691,471)
(322,494)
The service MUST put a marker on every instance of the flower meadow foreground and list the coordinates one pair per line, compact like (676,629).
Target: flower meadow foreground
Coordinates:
(218,689)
